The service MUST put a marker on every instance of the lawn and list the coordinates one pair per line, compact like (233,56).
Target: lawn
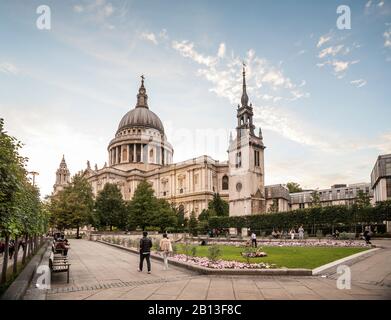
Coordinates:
(289,257)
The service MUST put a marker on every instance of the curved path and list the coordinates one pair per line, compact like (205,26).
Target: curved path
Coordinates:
(100,271)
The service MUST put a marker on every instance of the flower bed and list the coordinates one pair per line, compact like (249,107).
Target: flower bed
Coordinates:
(220,264)
(302,243)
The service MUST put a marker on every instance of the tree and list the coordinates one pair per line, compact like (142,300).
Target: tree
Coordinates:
(218,206)
(193,224)
(110,208)
(294,187)
(143,206)
(363,200)
(274,206)
(12,176)
(21,210)
(166,217)
(315,199)
(72,207)
(180,213)
(204,215)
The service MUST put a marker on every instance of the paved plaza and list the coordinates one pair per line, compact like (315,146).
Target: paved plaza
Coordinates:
(99,271)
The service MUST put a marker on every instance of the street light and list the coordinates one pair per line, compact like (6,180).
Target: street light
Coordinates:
(33,173)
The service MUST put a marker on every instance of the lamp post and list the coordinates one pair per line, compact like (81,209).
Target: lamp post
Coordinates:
(34,173)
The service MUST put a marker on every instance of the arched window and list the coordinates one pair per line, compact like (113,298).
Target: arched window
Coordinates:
(225,183)
(151,155)
(125,154)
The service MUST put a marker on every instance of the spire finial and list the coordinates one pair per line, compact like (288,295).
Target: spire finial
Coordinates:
(244,99)
(142,95)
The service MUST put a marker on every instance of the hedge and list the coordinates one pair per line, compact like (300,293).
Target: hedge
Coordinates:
(311,218)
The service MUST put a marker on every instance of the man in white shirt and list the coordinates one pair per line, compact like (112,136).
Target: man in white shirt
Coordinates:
(253,240)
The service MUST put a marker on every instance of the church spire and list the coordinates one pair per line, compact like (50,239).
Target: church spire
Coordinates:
(244,99)
(142,97)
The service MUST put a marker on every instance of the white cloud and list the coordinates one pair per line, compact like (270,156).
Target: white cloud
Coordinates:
(387,38)
(338,65)
(380,4)
(221,51)
(150,37)
(163,34)
(359,83)
(8,68)
(186,49)
(78,8)
(333,51)
(368,4)
(322,40)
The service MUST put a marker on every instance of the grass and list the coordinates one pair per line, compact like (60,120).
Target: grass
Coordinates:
(289,257)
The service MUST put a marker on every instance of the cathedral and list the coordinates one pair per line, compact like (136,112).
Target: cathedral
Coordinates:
(141,151)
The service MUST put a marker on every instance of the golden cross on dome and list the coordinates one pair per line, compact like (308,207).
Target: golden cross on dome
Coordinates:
(142,77)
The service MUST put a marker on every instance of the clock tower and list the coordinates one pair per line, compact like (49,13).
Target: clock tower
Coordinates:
(246,163)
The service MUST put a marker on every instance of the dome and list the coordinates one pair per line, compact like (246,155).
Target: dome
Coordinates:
(141,117)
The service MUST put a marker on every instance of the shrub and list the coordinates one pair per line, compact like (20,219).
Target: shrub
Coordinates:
(193,251)
(155,245)
(347,236)
(319,234)
(187,249)
(151,229)
(214,253)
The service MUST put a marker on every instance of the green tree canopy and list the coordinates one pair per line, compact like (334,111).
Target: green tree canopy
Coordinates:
(143,206)
(72,207)
(218,207)
(315,199)
(12,179)
(363,200)
(148,211)
(294,187)
(110,208)
(193,224)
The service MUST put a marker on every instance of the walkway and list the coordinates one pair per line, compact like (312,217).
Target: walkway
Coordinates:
(99,271)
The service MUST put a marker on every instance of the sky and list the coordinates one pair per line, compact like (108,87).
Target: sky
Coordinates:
(321,94)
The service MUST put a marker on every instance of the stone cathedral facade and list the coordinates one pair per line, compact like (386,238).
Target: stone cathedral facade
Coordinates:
(140,151)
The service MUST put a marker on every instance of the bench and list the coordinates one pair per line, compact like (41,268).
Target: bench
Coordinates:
(59,265)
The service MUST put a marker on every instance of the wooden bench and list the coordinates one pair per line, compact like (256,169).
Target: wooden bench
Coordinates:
(59,265)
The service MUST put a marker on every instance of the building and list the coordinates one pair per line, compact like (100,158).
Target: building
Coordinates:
(63,176)
(278,198)
(246,163)
(338,194)
(381,178)
(140,151)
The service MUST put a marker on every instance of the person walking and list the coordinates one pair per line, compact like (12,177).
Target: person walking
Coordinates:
(145,252)
(166,248)
(2,247)
(367,235)
(292,233)
(254,240)
(301,233)
(11,248)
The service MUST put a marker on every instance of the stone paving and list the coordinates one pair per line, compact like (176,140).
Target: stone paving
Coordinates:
(102,272)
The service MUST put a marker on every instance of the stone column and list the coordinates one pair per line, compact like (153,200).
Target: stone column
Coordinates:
(134,152)
(128,152)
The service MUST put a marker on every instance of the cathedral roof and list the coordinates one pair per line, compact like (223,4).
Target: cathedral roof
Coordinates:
(141,116)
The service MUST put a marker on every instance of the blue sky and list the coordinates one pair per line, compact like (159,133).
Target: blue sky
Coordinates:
(321,95)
